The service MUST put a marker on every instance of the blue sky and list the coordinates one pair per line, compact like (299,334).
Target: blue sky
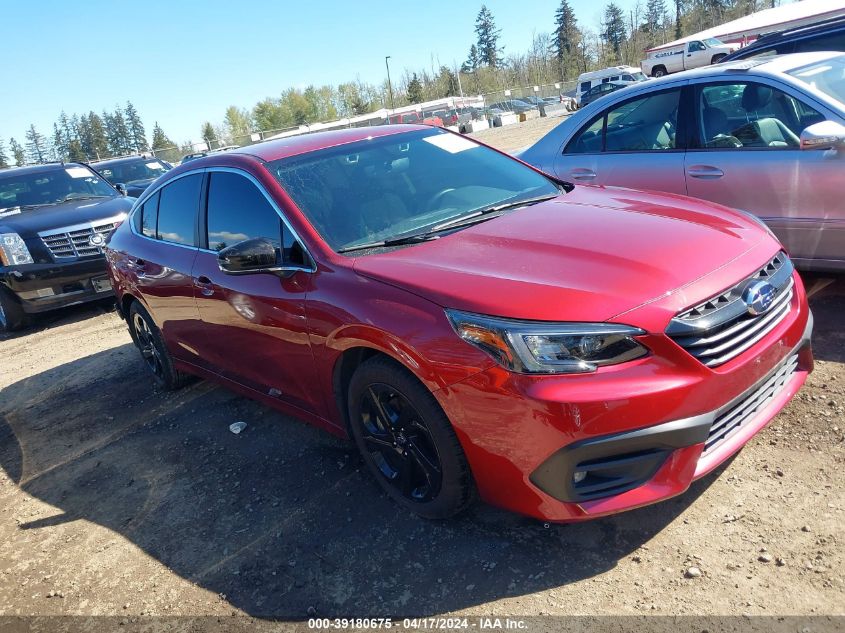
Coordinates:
(182,62)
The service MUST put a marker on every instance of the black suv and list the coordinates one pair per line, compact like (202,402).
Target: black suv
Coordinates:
(132,174)
(54,220)
(827,35)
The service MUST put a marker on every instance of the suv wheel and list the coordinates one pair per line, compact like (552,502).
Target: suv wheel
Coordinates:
(407,441)
(12,316)
(150,343)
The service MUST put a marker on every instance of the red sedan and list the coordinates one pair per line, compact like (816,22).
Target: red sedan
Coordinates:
(567,352)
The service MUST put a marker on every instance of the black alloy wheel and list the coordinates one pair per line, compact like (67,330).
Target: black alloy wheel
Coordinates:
(150,343)
(146,345)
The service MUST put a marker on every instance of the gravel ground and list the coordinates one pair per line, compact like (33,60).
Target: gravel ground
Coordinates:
(117,499)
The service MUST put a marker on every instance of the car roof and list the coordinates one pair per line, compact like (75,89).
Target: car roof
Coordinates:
(831,24)
(34,169)
(118,161)
(304,143)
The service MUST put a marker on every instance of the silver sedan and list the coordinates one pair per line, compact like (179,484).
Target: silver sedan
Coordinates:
(765,136)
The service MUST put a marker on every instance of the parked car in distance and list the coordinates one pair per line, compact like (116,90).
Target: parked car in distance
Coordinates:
(405,118)
(765,136)
(614,74)
(827,35)
(685,56)
(193,156)
(444,305)
(599,91)
(131,174)
(54,219)
(512,105)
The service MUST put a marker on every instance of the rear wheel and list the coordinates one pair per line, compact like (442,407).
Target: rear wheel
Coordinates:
(659,71)
(12,316)
(150,343)
(407,441)
(717,58)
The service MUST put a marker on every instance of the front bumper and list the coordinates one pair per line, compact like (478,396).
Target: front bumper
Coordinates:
(42,287)
(636,433)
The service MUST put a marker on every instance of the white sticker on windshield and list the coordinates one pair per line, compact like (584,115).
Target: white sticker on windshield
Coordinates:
(452,143)
(10,211)
(77,172)
(155,165)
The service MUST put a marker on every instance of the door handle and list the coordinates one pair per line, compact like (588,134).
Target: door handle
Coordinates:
(582,174)
(205,285)
(705,172)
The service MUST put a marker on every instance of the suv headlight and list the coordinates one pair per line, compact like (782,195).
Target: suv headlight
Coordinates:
(535,347)
(13,250)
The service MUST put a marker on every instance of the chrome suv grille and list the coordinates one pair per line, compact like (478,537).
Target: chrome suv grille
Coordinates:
(722,327)
(737,414)
(74,241)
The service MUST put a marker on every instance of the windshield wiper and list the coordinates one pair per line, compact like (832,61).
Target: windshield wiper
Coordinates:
(73,196)
(412,238)
(475,215)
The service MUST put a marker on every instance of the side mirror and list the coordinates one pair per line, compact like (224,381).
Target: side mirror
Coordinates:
(121,188)
(257,255)
(823,135)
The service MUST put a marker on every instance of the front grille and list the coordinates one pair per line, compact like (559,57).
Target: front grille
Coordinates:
(737,414)
(721,328)
(73,242)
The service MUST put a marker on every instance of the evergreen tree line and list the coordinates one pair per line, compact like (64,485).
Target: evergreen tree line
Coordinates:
(84,137)
(560,53)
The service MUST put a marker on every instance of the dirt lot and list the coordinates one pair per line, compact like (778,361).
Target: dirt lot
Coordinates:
(117,499)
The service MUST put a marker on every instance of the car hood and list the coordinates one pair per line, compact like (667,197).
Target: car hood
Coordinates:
(29,222)
(137,187)
(585,256)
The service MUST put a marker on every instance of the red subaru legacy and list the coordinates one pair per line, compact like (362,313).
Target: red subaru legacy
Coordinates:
(472,324)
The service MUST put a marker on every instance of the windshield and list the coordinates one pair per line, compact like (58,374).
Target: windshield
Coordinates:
(713,42)
(827,77)
(376,189)
(33,189)
(132,171)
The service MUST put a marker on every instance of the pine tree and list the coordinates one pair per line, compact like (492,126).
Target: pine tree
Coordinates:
(489,50)
(448,82)
(75,152)
(17,152)
(209,135)
(37,147)
(415,90)
(655,11)
(137,134)
(160,140)
(679,7)
(4,159)
(92,136)
(613,32)
(472,63)
(122,139)
(566,37)
(60,145)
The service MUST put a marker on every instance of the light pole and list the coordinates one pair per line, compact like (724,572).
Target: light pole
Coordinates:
(389,86)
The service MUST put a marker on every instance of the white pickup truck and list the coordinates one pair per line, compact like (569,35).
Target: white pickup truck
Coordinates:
(685,56)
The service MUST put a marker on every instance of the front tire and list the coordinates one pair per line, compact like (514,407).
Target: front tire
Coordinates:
(12,316)
(148,340)
(660,71)
(407,441)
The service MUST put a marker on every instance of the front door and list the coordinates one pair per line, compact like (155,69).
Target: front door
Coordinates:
(748,157)
(254,324)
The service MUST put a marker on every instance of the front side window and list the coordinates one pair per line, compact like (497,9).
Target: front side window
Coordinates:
(642,124)
(585,85)
(696,46)
(238,211)
(751,115)
(177,210)
(377,189)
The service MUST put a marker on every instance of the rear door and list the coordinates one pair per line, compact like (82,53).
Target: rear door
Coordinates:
(746,155)
(638,142)
(162,263)
(254,324)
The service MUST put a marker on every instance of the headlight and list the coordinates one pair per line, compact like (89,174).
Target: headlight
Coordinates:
(534,347)
(13,250)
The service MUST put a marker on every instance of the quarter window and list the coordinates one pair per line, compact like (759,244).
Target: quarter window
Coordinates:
(177,210)
(149,215)
(751,115)
(238,211)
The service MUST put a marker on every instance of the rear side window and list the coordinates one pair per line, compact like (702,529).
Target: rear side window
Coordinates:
(238,211)
(149,215)
(828,42)
(585,85)
(177,210)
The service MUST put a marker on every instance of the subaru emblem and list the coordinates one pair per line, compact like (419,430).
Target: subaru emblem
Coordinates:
(758,297)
